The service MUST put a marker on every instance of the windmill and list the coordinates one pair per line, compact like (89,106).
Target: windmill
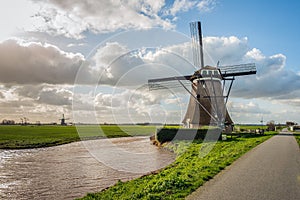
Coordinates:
(63,120)
(208,98)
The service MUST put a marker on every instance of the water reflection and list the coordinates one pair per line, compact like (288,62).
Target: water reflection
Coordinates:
(69,171)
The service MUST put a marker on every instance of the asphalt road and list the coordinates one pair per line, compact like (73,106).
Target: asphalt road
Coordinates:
(269,171)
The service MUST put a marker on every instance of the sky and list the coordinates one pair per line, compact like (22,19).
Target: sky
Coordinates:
(91,60)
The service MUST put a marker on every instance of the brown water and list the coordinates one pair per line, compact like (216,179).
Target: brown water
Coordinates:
(70,171)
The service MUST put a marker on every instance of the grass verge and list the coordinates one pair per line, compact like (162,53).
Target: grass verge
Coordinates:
(20,137)
(297,136)
(186,174)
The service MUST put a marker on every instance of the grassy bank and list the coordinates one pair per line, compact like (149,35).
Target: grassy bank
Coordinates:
(297,136)
(18,137)
(186,174)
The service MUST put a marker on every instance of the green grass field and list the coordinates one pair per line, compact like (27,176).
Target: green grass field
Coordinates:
(186,174)
(18,137)
(244,127)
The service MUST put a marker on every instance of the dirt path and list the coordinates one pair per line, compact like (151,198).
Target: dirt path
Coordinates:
(269,171)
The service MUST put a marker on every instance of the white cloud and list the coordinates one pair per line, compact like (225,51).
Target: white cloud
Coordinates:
(181,6)
(44,94)
(173,101)
(38,102)
(33,63)
(36,63)
(127,98)
(136,106)
(250,107)
(76,44)
(107,54)
(57,97)
(255,54)
(227,50)
(123,67)
(206,5)
(186,5)
(272,78)
(28,91)
(72,17)
(251,111)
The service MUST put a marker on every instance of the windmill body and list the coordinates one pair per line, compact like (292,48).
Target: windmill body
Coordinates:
(208,108)
(63,120)
(208,98)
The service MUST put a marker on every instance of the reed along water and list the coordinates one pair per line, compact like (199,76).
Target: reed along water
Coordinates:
(70,171)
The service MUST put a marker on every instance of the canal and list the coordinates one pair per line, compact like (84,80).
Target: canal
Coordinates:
(72,170)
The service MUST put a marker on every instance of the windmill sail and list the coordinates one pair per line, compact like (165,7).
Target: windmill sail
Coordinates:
(168,83)
(206,105)
(197,46)
(238,70)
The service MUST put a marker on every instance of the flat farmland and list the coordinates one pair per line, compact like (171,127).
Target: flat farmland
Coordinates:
(20,137)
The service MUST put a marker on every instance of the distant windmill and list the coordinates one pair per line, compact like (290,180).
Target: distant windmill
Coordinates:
(63,120)
(207,105)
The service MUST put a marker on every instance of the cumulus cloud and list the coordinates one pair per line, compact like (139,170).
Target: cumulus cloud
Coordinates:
(28,91)
(122,66)
(273,79)
(181,6)
(38,102)
(138,105)
(76,44)
(248,111)
(125,67)
(44,94)
(72,17)
(206,5)
(250,107)
(34,63)
(39,70)
(57,97)
(115,64)
(132,98)
(227,50)
(186,5)
(35,112)
(17,104)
